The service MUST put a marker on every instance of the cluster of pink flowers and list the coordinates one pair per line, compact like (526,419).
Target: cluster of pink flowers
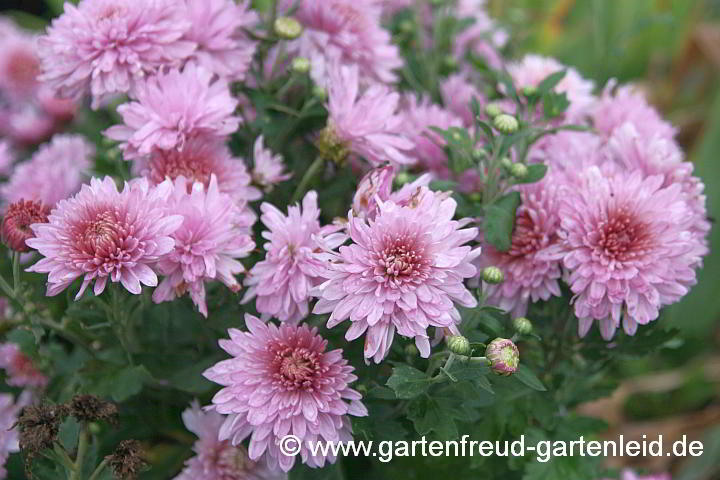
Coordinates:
(620,217)
(29,112)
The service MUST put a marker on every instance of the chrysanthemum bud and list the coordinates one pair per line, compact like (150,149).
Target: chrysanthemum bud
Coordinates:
(319,92)
(493,109)
(529,91)
(506,124)
(406,26)
(493,275)
(506,163)
(288,28)
(503,355)
(300,65)
(518,170)
(16,224)
(458,344)
(411,350)
(522,325)
(402,178)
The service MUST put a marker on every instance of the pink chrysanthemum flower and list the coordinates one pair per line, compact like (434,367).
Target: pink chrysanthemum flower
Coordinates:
(419,114)
(19,368)
(627,247)
(348,31)
(17,220)
(377,183)
(102,234)
(217,459)
(55,171)
(215,232)
(291,267)
(6,157)
(9,441)
(533,69)
(268,168)
(366,122)
(217,29)
(403,271)
(110,46)
(281,381)
(200,158)
(19,63)
(529,276)
(457,92)
(660,155)
(627,104)
(483,37)
(567,151)
(173,107)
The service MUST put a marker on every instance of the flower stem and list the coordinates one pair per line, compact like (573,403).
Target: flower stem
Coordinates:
(16,271)
(80,457)
(96,474)
(315,167)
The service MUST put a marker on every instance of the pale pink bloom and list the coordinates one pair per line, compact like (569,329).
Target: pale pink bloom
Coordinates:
(218,459)
(173,107)
(7,157)
(347,31)
(107,47)
(366,121)
(200,158)
(483,37)
(628,247)
(104,234)
(627,104)
(268,168)
(19,63)
(282,381)
(217,29)
(457,92)
(419,114)
(404,271)
(291,267)
(19,368)
(54,172)
(391,7)
(661,155)
(529,276)
(628,474)
(567,151)
(9,441)
(533,69)
(215,232)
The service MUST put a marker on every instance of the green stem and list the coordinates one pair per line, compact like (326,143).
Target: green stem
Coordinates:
(315,167)
(80,457)
(16,271)
(96,474)
(120,322)
(9,291)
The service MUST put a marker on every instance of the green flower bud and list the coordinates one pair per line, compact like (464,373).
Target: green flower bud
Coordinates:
(458,344)
(331,147)
(287,28)
(301,65)
(406,26)
(319,92)
(522,325)
(518,170)
(411,350)
(503,355)
(493,109)
(506,124)
(506,163)
(529,91)
(493,275)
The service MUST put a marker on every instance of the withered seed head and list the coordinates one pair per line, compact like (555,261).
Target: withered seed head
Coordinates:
(126,461)
(89,408)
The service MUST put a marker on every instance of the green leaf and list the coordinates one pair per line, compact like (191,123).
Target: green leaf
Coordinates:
(554,104)
(428,415)
(303,472)
(408,382)
(536,172)
(499,221)
(121,384)
(527,377)
(550,82)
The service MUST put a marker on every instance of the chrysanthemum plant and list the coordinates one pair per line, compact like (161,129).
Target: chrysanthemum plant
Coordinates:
(457,244)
